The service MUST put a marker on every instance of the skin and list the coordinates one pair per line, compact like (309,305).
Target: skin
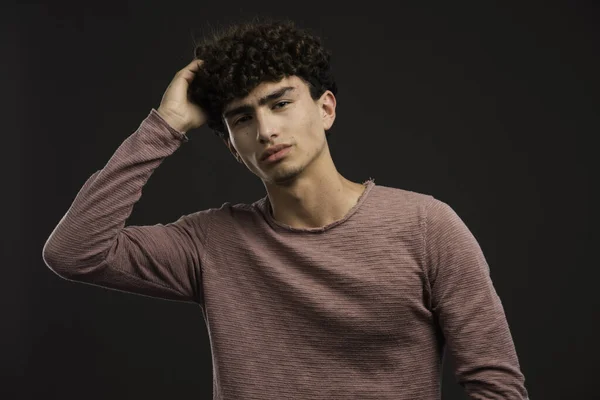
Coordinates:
(304,188)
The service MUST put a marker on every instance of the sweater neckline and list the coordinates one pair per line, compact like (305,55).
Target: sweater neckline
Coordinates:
(265,208)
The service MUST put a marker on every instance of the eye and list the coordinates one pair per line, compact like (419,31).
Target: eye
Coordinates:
(242,119)
(281,104)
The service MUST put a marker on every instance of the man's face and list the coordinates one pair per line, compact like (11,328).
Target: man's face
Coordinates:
(280,113)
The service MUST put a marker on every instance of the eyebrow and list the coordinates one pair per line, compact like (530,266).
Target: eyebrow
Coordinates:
(244,108)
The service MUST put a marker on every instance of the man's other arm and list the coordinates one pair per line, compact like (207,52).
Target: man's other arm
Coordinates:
(468,309)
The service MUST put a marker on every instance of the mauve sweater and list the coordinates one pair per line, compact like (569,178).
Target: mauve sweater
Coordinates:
(362,308)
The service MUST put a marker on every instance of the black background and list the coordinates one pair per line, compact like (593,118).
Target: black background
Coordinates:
(488,106)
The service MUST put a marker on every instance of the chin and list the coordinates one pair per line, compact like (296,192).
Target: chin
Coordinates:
(285,175)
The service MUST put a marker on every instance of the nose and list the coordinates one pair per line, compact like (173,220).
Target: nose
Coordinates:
(266,127)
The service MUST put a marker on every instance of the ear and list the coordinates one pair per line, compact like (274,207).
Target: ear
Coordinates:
(232,150)
(327,104)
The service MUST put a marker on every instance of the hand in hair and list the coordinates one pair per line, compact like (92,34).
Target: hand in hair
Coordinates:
(176,108)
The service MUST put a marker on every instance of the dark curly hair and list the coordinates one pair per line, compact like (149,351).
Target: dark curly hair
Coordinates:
(247,54)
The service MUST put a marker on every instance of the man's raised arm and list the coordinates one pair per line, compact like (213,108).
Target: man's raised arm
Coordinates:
(91,244)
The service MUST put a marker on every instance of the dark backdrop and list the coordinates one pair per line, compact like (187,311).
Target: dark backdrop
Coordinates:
(490,108)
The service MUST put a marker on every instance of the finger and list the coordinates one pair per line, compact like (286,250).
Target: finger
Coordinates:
(188,73)
(194,65)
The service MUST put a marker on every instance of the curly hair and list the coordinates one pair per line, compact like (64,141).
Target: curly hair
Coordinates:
(245,55)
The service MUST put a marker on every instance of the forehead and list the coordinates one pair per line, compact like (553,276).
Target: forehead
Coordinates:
(268,87)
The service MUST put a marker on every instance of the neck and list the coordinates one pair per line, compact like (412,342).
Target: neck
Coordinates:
(317,197)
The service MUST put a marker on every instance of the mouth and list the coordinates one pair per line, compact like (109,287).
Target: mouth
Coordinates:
(276,156)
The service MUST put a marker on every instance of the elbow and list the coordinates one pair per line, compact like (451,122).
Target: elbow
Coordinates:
(56,261)
(67,265)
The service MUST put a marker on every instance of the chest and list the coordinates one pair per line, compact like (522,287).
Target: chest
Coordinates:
(366,284)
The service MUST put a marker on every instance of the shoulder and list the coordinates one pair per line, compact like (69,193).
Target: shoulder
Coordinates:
(430,210)
(225,211)
(403,200)
(229,213)
(400,194)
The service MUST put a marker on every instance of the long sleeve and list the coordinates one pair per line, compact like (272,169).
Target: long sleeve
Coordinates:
(468,309)
(91,244)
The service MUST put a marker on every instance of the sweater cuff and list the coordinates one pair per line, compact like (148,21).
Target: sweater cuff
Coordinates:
(157,119)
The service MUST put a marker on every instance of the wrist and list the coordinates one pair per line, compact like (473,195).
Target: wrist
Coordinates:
(173,121)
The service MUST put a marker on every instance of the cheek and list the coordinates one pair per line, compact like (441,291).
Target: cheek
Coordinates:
(241,142)
(314,127)
(308,123)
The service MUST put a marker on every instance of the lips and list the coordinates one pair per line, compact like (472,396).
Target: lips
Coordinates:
(273,150)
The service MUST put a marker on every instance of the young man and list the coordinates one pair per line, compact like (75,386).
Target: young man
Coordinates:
(323,289)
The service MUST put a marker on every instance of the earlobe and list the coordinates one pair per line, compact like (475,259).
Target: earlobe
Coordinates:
(328,109)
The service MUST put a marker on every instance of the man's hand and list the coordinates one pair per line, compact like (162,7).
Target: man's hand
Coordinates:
(176,107)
